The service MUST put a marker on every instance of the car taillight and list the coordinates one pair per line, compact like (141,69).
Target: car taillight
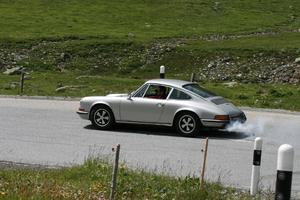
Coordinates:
(81,109)
(222,117)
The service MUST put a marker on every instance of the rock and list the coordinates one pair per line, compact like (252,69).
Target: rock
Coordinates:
(297,60)
(11,86)
(211,64)
(65,56)
(27,77)
(296,74)
(72,87)
(216,6)
(87,76)
(230,84)
(61,67)
(61,89)
(226,60)
(13,71)
(130,35)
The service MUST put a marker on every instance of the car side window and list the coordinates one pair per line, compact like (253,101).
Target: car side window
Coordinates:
(176,94)
(157,92)
(141,91)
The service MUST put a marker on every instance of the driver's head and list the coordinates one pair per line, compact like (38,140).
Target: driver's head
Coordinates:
(161,90)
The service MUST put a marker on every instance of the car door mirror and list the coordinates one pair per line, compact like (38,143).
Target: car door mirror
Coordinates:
(129,96)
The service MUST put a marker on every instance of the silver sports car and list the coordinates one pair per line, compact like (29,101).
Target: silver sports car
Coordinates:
(184,105)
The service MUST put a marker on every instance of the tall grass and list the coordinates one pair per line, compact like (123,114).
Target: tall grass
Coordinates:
(92,181)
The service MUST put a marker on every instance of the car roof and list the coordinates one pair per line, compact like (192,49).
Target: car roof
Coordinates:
(170,82)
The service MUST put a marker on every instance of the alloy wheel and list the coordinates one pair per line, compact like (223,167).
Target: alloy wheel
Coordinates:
(102,117)
(187,124)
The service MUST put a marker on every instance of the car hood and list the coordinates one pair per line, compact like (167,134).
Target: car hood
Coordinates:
(97,98)
(117,95)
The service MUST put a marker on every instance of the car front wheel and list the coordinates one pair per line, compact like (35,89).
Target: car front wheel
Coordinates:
(187,124)
(102,117)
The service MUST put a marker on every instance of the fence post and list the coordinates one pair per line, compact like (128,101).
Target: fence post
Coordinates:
(256,165)
(115,172)
(285,162)
(22,83)
(203,164)
(162,72)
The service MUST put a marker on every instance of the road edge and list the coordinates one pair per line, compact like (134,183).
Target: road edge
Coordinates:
(56,98)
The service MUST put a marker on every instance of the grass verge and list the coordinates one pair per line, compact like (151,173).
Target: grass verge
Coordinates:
(279,96)
(92,181)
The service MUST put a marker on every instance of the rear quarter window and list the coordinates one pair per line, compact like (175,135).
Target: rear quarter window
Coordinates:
(176,94)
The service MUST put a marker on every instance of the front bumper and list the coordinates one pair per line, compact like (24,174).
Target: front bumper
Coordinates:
(83,114)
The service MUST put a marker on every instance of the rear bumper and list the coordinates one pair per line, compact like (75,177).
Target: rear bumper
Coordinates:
(238,118)
(212,123)
(83,115)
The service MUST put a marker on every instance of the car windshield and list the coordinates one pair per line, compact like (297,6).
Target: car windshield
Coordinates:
(196,89)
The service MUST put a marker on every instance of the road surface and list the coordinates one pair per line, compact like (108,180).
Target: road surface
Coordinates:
(49,132)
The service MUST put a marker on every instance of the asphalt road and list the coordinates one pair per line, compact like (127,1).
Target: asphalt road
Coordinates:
(49,132)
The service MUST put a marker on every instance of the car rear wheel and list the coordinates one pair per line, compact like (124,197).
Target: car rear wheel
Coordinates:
(102,117)
(187,124)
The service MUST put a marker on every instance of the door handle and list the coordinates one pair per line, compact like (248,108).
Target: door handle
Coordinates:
(160,105)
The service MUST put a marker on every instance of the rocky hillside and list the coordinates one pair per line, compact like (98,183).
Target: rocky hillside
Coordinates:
(134,59)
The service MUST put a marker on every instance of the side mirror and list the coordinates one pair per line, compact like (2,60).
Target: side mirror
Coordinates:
(129,96)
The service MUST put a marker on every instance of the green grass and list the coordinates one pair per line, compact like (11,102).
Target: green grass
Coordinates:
(92,180)
(45,84)
(278,96)
(122,43)
(143,19)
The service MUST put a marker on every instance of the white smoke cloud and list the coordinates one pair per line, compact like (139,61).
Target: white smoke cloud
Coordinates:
(255,127)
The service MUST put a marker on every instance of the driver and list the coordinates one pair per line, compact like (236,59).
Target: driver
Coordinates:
(160,93)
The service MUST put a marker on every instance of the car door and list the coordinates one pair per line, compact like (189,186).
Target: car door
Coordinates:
(176,100)
(141,107)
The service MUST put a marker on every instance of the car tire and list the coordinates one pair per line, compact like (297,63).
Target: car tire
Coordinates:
(187,124)
(102,117)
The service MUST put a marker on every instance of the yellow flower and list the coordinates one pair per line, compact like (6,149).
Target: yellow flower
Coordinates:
(2,193)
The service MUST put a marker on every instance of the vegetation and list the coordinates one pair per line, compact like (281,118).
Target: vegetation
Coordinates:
(92,181)
(116,45)
(144,19)
(280,96)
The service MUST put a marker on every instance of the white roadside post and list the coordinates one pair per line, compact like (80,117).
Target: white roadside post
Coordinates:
(162,72)
(256,165)
(285,163)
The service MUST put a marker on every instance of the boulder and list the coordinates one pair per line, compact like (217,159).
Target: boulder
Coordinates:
(230,84)
(69,87)
(11,86)
(296,74)
(13,71)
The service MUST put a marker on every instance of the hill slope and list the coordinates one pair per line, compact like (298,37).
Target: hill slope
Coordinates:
(248,41)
